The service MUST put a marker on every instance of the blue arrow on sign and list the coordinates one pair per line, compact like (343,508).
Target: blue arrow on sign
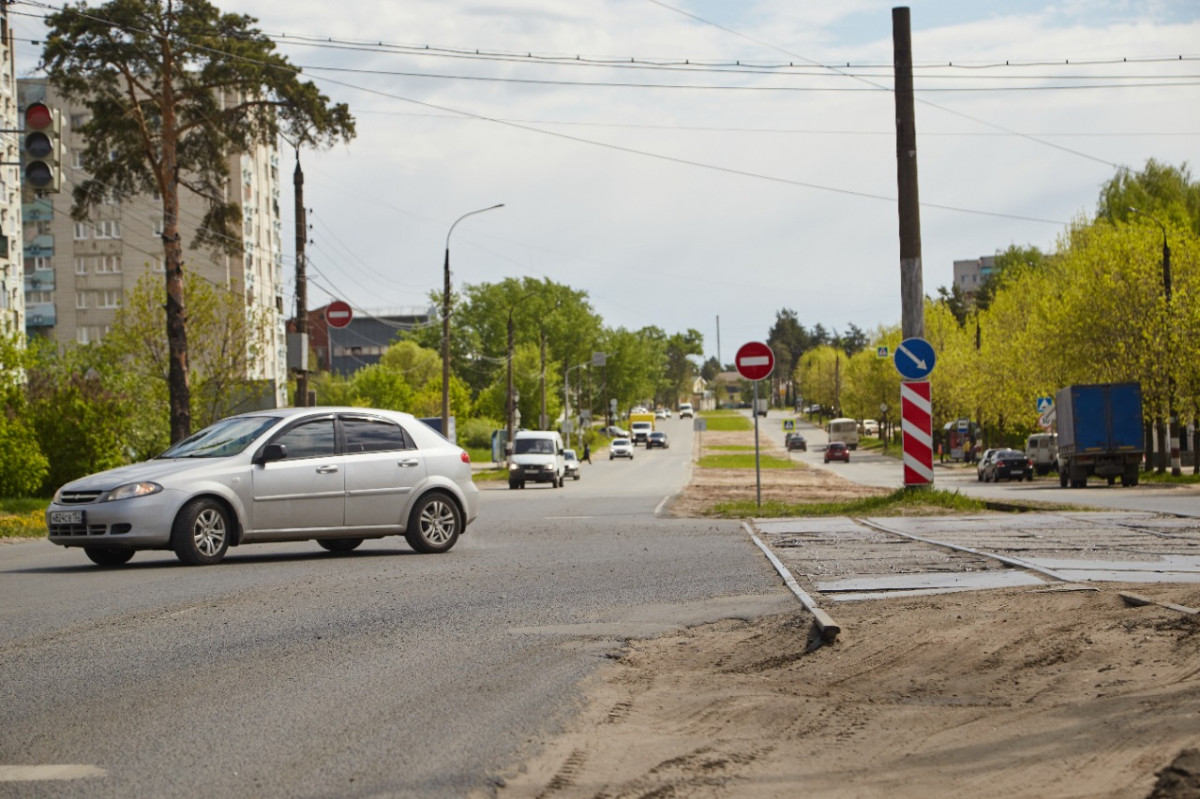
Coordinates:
(914,358)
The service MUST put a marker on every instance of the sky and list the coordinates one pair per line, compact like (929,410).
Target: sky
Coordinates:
(705,164)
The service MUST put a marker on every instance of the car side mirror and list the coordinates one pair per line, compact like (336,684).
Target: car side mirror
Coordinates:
(273,452)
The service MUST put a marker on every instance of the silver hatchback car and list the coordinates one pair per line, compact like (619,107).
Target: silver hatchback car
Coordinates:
(336,475)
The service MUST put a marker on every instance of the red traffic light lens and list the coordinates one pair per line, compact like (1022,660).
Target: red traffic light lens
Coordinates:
(38,116)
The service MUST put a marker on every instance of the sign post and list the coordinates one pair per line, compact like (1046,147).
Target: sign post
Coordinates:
(914,360)
(755,361)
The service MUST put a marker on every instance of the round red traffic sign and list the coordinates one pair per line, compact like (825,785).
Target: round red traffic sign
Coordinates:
(755,360)
(338,314)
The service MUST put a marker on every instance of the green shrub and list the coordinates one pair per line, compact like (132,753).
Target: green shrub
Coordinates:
(477,433)
(24,467)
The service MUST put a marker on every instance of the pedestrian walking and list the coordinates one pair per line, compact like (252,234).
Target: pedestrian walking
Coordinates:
(587,452)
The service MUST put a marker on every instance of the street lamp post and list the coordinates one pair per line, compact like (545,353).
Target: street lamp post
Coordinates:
(1172,422)
(446,322)
(567,397)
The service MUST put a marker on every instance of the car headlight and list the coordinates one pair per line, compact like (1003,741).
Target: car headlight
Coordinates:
(130,490)
(549,467)
(514,467)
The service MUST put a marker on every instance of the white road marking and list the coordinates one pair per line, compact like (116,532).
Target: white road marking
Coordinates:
(53,771)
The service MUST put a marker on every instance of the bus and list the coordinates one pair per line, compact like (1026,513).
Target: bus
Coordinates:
(844,430)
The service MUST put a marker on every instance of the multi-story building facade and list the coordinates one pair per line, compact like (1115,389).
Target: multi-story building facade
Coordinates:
(12,290)
(969,275)
(77,274)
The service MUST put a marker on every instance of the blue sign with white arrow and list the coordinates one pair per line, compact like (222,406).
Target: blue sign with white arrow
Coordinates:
(914,358)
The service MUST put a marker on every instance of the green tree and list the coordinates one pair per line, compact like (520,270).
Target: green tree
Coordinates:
(229,343)
(174,88)
(1166,192)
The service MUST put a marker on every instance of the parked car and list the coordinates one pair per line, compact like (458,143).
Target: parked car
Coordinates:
(837,451)
(982,463)
(870,427)
(1008,464)
(658,439)
(685,410)
(570,464)
(620,448)
(334,475)
(613,431)
(795,441)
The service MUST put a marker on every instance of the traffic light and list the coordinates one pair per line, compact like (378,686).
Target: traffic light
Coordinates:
(43,146)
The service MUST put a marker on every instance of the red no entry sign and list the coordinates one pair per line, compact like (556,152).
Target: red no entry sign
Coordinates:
(755,360)
(338,314)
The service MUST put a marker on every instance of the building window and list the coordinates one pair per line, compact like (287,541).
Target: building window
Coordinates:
(81,301)
(77,159)
(45,227)
(81,266)
(157,264)
(108,264)
(110,298)
(40,262)
(108,229)
(81,231)
(78,120)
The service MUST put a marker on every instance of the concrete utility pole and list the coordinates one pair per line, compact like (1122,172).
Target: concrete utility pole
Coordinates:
(912,292)
(301,400)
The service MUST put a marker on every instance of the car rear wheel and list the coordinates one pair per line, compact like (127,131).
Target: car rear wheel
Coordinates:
(200,536)
(108,556)
(434,525)
(340,544)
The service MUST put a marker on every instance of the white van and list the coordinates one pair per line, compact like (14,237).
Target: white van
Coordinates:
(1042,451)
(537,457)
(844,430)
(685,410)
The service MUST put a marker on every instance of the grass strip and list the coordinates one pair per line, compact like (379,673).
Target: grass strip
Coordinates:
(901,502)
(740,461)
(725,421)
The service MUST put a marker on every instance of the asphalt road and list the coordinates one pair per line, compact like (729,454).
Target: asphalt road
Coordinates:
(870,468)
(290,671)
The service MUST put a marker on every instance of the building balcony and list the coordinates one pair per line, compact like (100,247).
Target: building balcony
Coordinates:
(40,314)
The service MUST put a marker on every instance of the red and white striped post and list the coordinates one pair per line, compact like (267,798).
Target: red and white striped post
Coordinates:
(916,414)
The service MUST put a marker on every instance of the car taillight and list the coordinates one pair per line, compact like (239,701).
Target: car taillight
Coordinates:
(464,456)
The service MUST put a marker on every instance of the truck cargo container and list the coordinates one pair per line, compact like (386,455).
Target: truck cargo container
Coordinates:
(1099,433)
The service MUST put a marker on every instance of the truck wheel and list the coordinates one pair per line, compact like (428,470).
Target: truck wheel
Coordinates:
(1112,480)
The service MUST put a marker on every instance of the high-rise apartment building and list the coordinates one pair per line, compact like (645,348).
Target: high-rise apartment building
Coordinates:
(77,274)
(12,294)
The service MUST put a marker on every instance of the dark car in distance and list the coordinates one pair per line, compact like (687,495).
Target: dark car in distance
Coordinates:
(657,439)
(837,451)
(796,441)
(1008,464)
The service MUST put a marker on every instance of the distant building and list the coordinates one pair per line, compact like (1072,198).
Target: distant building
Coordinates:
(77,274)
(345,350)
(970,275)
(12,276)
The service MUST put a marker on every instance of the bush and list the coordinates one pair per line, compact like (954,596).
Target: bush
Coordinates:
(24,467)
(477,433)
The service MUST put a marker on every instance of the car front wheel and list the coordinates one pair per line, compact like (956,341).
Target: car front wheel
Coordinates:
(108,556)
(434,525)
(200,536)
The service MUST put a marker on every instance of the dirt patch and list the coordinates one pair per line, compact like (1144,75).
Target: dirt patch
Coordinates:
(801,484)
(1014,693)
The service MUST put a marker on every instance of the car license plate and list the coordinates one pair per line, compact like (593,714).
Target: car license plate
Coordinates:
(66,517)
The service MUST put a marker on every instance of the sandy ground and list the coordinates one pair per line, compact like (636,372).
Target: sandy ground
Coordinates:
(1004,693)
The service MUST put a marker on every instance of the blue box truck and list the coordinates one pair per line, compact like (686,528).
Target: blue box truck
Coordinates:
(1099,433)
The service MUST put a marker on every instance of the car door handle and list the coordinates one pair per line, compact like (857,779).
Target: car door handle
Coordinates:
(409,462)
(327,469)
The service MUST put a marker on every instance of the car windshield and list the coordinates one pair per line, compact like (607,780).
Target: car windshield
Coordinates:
(533,446)
(226,437)
(620,442)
